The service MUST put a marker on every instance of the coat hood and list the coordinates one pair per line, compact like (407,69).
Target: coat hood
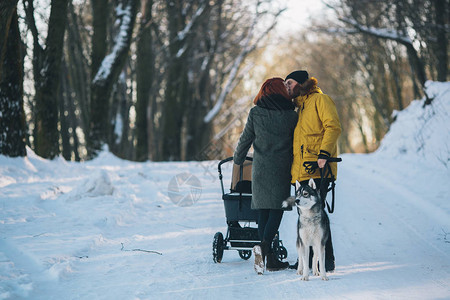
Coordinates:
(306,89)
(275,102)
(309,87)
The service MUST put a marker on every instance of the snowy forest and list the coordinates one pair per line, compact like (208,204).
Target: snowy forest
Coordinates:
(117,118)
(173,80)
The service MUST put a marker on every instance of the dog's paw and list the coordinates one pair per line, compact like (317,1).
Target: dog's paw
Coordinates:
(299,272)
(325,278)
(316,273)
(305,278)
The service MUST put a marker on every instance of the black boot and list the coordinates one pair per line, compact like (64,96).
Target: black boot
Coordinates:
(260,252)
(273,264)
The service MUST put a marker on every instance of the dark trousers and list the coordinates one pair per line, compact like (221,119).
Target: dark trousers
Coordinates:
(269,221)
(329,253)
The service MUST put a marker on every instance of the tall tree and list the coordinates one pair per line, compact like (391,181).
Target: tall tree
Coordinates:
(419,25)
(208,43)
(12,117)
(185,60)
(144,79)
(47,138)
(177,93)
(106,76)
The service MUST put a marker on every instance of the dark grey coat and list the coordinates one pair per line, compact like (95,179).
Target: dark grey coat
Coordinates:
(271,133)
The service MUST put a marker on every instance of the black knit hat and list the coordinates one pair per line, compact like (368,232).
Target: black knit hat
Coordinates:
(299,76)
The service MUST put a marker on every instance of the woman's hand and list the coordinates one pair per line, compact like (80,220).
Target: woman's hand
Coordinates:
(321,162)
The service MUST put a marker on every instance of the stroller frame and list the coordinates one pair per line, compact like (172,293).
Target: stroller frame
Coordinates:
(237,206)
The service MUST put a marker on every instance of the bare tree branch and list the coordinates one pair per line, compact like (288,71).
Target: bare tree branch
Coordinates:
(248,47)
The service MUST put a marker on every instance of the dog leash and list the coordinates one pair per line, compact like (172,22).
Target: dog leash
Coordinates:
(325,173)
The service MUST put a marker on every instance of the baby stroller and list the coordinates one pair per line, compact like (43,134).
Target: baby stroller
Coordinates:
(241,236)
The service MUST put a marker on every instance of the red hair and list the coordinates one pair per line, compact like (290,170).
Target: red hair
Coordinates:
(270,87)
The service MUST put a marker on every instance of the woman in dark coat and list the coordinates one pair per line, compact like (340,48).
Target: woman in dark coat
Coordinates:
(270,128)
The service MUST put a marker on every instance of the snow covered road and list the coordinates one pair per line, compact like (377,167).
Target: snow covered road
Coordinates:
(68,231)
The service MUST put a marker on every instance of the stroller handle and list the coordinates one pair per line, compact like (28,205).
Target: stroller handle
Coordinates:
(219,169)
(227,160)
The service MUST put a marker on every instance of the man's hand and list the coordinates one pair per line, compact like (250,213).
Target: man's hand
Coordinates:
(321,162)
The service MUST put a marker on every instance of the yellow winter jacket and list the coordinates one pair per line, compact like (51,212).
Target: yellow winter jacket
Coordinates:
(317,130)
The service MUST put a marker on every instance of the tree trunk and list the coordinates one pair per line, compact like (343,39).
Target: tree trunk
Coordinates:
(7,9)
(186,46)
(100,18)
(38,54)
(106,76)
(416,64)
(198,132)
(38,51)
(47,143)
(120,111)
(78,70)
(175,87)
(442,14)
(64,99)
(173,115)
(363,135)
(73,120)
(144,78)
(396,78)
(12,117)
(124,113)
(198,135)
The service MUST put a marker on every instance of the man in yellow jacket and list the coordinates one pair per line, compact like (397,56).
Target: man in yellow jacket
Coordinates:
(315,136)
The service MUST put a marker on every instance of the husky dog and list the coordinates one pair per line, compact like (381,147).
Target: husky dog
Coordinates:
(312,228)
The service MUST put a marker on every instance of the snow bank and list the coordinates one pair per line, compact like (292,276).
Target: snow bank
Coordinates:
(31,168)
(422,133)
(99,184)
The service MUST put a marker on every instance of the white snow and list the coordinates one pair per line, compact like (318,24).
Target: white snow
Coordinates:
(87,230)
(422,134)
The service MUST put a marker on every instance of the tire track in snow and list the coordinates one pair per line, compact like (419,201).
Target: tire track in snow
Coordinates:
(37,274)
(404,196)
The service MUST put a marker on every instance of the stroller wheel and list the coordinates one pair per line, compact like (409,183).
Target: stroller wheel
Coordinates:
(282,253)
(245,254)
(278,248)
(218,247)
